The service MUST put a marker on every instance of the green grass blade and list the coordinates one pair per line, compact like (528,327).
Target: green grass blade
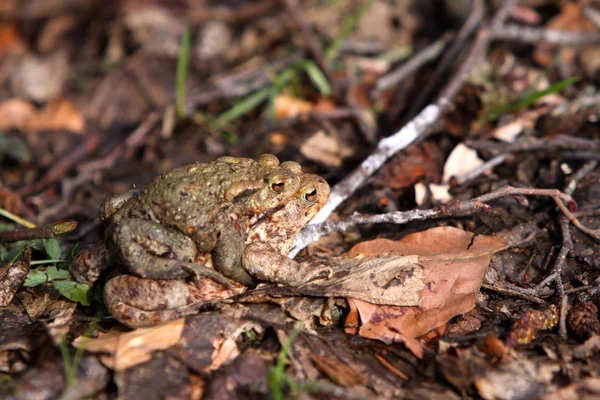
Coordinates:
(243,107)
(526,101)
(318,78)
(348,26)
(182,70)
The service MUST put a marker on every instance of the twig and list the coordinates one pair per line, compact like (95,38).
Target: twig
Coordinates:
(595,233)
(92,169)
(62,167)
(417,128)
(423,57)
(560,261)
(46,231)
(586,169)
(449,58)
(536,35)
(457,208)
(475,172)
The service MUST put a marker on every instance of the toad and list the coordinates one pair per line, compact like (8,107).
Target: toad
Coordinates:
(137,302)
(199,208)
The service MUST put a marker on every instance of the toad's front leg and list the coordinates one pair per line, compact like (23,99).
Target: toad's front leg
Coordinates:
(263,262)
(153,251)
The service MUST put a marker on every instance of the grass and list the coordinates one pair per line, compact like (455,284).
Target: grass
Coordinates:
(183,61)
(526,101)
(71,364)
(278,379)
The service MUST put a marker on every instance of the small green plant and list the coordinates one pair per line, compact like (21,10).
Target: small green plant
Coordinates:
(348,26)
(280,82)
(528,99)
(277,376)
(71,364)
(183,61)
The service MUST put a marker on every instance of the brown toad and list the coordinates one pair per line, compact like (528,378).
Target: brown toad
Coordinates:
(139,302)
(199,208)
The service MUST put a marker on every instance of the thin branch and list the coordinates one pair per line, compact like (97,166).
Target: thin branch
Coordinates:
(535,35)
(560,261)
(449,58)
(417,128)
(424,56)
(46,231)
(457,208)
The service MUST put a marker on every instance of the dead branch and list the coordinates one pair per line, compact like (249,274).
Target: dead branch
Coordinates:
(417,128)
(46,231)
(552,36)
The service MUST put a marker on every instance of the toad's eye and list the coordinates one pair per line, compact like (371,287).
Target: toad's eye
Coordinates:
(310,195)
(278,186)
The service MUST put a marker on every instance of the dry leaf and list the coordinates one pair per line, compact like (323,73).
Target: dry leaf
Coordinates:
(325,149)
(385,279)
(290,107)
(14,113)
(439,193)
(516,379)
(59,113)
(453,262)
(460,161)
(588,388)
(572,19)
(124,350)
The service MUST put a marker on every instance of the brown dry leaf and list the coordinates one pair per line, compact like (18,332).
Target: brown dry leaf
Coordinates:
(59,113)
(571,18)
(453,262)
(385,279)
(588,388)
(461,160)
(516,379)
(339,372)
(325,149)
(9,37)
(286,106)
(124,350)
(15,113)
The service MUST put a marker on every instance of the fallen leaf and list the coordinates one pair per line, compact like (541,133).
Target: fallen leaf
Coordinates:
(290,107)
(460,161)
(587,388)
(58,114)
(124,350)
(453,262)
(516,379)
(339,372)
(439,193)
(325,149)
(571,18)
(385,279)
(14,114)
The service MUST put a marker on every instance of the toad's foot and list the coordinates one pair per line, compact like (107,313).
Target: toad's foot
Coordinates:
(152,251)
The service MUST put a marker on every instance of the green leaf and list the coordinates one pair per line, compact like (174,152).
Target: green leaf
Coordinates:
(52,247)
(74,291)
(35,278)
(318,78)
(56,274)
(182,70)
(243,107)
(526,101)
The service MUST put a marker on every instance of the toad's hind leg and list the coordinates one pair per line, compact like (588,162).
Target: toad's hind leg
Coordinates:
(153,251)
